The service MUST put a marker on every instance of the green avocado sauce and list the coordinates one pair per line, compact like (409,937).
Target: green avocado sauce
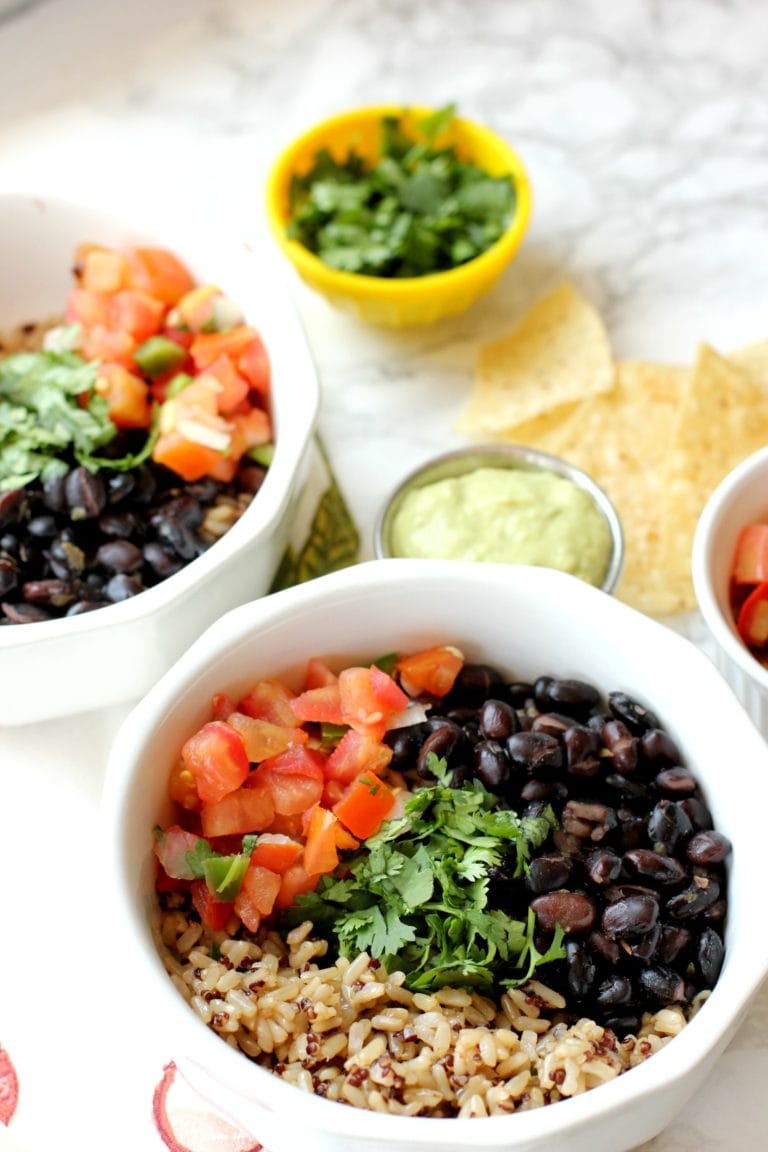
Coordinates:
(506,516)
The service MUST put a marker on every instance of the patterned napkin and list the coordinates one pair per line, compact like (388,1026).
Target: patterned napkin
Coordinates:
(76,1070)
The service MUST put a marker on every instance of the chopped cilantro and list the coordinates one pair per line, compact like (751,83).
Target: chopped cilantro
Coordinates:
(416,894)
(419,209)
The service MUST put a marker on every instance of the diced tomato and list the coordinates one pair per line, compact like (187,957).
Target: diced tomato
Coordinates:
(361,708)
(215,914)
(244,810)
(195,310)
(357,752)
(750,560)
(88,308)
(101,269)
(293,883)
(365,805)
(158,273)
(234,387)
(264,739)
(166,883)
(321,850)
(108,345)
(333,790)
(432,671)
(295,779)
(182,788)
(253,363)
(319,705)
(318,674)
(251,429)
(137,314)
(387,691)
(187,459)
(288,825)
(222,706)
(126,394)
(171,847)
(752,622)
(217,759)
(208,346)
(276,851)
(268,700)
(257,894)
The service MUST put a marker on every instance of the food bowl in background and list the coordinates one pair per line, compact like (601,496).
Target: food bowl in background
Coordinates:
(387,302)
(115,653)
(431,515)
(527,622)
(740,499)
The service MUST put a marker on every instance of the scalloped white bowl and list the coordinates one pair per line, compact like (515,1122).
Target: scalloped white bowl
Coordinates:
(528,621)
(114,654)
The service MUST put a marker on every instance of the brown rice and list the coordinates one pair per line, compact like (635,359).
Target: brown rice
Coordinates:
(350,1031)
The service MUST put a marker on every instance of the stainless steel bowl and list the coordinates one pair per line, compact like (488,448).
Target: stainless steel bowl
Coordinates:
(515,456)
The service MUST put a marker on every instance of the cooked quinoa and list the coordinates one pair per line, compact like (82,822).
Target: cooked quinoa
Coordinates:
(350,1031)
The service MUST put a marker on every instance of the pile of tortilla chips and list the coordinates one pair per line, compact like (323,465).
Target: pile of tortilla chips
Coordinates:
(658,438)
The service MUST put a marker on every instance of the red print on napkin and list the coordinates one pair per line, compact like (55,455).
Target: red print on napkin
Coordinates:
(9,1087)
(186,1123)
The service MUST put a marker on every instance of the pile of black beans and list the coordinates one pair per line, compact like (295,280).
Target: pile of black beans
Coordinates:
(634,873)
(90,539)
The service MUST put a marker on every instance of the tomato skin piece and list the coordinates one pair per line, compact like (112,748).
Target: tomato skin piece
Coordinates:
(239,812)
(87,307)
(268,700)
(137,314)
(432,671)
(100,269)
(208,346)
(318,674)
(253,363)
(387,691)
(295,778)
(750,558)
(222,705)
(215,914)
(256,896)
(126,394)
(171,847)
(159,273)
(752,622)
(293,883)
(321,849)
(365,805)
(234,387)
(276,851)
(216,757)
(319,705)
(263,739)
(356,752)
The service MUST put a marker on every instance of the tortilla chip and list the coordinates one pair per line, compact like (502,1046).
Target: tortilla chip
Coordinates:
(723,417)
(558,353)
(622,439)
(753,359)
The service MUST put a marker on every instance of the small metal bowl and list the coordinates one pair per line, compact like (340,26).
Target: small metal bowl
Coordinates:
(514,456)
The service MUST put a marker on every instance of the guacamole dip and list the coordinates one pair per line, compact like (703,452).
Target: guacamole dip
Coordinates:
(505,515)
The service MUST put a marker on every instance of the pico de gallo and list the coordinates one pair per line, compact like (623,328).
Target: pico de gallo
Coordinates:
(276,785)
(749,587)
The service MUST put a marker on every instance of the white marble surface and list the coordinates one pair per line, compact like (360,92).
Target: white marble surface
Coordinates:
(643,125)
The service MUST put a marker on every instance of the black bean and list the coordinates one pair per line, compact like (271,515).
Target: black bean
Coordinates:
(658,746)
(588,820)
(581,968)
(10,499)
(630,916)
(571,910)
(120,523)
(548,872)
(582,746)
(491,765)
(86,494)
(475,683)
(120,485)
(162,562)
(553,723)
(447,742)
(119,556)
(700,894)
(573,697)
(697,812)
(122,587)
(615,991)
(708,847)
(53,593)
(710,953)
(635,715)
(675,782)
(552,791)
(667,823)
(519,692)
(498,720)
(662,984)
(645,947)
(81,606)
(9,574)
(603,866)
(607,949)
(622,745)
(653,866)
(25,613)
(674,942)
(405,744)
(42,526)
(535,752)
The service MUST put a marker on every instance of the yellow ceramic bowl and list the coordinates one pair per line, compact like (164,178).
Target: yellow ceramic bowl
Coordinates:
(398,303)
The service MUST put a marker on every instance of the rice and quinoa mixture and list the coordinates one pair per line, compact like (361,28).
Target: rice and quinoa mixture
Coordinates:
(352,1032)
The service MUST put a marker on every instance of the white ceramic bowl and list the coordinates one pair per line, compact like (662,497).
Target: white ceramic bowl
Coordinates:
(528,621)
(741,498)
(114,654)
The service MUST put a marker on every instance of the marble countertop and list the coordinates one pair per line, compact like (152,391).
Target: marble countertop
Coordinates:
(642,125)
